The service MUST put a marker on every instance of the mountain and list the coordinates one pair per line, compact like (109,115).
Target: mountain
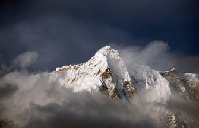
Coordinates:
(107,73)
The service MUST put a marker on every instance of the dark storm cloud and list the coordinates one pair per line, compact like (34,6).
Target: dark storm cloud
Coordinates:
(61,117)
(153,10)
(64,32)
(7,89)
(59,40)
(188,64)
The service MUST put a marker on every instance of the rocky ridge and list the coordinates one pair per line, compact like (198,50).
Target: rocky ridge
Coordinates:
(106,72)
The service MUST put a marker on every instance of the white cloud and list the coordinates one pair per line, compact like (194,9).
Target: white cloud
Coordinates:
(156,55)
(26,59)
(37,103)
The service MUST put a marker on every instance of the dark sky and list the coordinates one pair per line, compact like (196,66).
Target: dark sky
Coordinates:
(53,33)
(66,32)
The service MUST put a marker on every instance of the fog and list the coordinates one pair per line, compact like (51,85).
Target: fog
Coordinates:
(29,99)
(38,36)
(158,55)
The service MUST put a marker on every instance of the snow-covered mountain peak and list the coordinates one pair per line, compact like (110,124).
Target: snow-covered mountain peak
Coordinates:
(106,54)
(104,50)
(108,51)
(105,71)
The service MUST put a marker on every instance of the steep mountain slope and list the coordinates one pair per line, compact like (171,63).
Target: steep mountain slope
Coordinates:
(106,72)
(192,82)
(181,93)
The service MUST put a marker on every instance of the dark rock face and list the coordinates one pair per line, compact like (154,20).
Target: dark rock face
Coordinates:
(189,92)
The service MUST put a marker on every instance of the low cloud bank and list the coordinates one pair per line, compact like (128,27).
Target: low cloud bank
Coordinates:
(29,100)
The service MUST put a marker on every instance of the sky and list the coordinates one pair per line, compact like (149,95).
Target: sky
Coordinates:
(64,32)
(36,36)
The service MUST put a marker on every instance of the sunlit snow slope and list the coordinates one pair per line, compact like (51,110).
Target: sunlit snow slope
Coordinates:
(106,72)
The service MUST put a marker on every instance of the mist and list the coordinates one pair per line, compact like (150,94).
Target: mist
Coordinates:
(70,32)
(38,36)
(158,55)
(58,40)
(29,99)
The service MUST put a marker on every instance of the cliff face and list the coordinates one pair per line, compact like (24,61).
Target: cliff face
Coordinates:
(192,82)
(186,89)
